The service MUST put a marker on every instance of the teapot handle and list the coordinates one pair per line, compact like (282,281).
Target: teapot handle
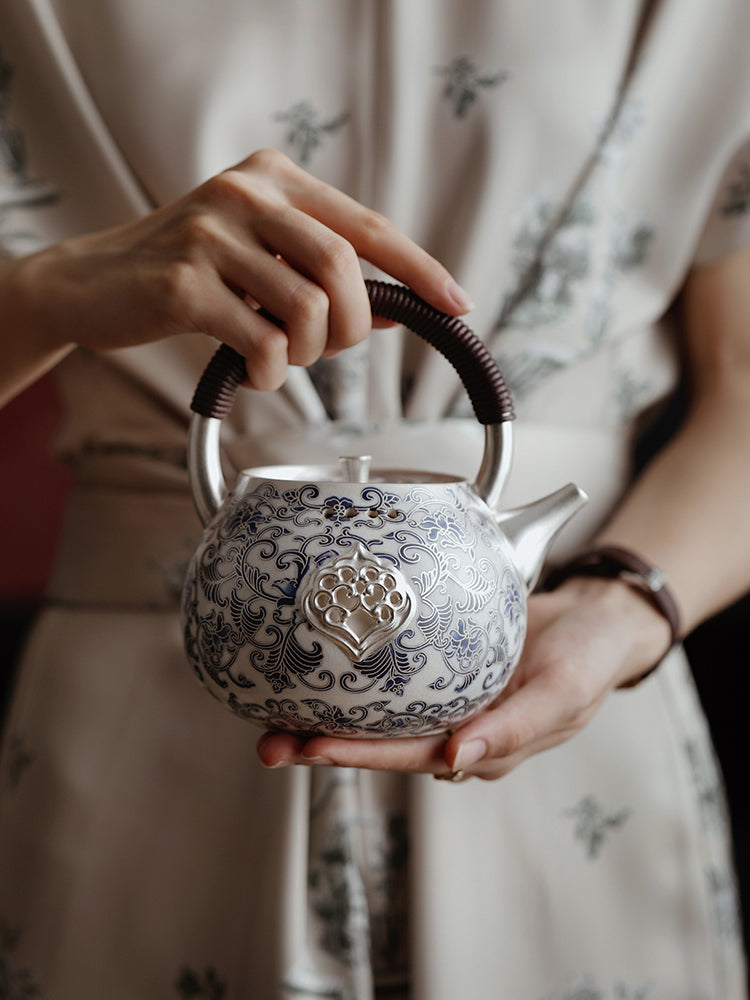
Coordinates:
(477,369)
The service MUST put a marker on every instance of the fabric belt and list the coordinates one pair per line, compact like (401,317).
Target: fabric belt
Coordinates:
(130,545)
(121,547)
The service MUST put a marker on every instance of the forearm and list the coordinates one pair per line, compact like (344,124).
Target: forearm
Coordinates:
(29,351)
(262,233)
(688,512)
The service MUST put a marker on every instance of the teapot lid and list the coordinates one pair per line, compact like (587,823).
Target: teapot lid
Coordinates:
(349,471)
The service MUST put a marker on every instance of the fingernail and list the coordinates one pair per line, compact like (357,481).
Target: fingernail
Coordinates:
(315,760)
(273,767)
(461,298)
(469,753)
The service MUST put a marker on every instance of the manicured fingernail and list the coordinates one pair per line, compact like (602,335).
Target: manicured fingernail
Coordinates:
(462,299)
(469,754)
(315,760)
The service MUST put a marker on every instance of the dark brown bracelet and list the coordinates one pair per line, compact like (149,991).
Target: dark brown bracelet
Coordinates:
(615,563)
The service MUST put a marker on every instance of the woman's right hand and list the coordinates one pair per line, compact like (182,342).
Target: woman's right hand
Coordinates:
(263,233)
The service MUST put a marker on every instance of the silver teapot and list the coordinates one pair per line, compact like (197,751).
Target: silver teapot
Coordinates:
(353,600)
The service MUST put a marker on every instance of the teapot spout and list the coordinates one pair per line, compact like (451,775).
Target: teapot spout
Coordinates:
(532,528)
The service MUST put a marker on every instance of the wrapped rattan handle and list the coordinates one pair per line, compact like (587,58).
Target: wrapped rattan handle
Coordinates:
(477,369)
(475,366)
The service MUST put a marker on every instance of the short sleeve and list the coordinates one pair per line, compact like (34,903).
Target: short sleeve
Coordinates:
(727,225)
(61,172)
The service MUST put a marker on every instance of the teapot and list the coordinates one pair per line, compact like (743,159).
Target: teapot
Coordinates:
(360,601)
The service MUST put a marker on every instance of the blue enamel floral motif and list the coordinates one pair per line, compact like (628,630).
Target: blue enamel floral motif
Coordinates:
(369,612)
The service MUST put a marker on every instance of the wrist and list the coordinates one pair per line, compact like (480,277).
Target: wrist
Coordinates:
(35,299)
(638,594)
(32,342)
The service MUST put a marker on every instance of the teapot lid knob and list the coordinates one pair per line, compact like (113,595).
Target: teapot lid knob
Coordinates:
(356,468)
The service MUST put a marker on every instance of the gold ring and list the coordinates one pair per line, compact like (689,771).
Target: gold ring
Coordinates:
(451,776)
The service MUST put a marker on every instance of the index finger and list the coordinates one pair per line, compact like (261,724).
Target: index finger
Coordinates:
(407,754)
(378,241)
(536,716)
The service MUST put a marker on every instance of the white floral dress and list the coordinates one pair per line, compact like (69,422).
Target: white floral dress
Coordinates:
(569,163)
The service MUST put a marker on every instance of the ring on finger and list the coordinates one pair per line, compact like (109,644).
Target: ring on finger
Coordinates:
(451,776)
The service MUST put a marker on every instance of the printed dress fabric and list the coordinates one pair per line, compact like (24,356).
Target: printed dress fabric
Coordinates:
(569,163)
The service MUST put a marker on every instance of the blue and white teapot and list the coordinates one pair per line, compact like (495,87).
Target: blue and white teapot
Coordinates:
(359,601)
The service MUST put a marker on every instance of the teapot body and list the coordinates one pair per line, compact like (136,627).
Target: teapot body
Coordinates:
(386,608)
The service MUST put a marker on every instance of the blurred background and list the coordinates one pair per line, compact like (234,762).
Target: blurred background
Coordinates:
(32,498)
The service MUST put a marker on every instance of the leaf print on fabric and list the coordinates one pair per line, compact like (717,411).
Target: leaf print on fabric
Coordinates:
(631,243)
(306,130)
(724,894)
(574,275)
(389,902)
(707,786)
(342,382)
(331,898)
(207,987)
(593,825)
(17,187)
(737,200)
(463,83)
(630,391)
(12,145)
(549,282)
(586,989)
(568,256)
(336,894)
(15,984)
(357,891)
(20,758)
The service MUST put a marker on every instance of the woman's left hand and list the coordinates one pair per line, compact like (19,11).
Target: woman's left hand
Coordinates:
(584,639)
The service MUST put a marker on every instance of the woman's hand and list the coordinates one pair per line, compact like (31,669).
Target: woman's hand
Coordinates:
(686,512)
(263,233)
(583,640)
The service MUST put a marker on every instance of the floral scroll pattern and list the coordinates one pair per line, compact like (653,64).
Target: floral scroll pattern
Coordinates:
(250,642)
